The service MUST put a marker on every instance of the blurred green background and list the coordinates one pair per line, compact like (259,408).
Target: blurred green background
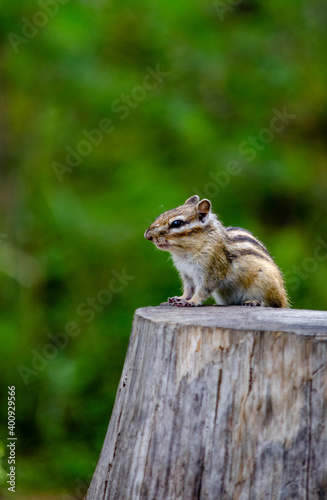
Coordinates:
(185,94)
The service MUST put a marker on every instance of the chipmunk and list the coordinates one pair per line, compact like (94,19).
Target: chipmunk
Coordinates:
(228,263)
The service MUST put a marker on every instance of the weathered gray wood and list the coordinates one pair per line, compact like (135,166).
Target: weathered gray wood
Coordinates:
(219,403)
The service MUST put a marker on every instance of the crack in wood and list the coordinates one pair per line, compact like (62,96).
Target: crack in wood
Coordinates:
(251,369)
(218,393)
(116,446)
(105,490)
(230,432)
(198,482)
(309,442)
(319,369)
(153,425)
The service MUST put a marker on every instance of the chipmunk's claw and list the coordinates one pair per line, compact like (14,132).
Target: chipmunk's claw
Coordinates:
(177,302)
(173,300)
(253,303)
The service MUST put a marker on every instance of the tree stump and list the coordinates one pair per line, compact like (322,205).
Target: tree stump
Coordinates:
(219,403)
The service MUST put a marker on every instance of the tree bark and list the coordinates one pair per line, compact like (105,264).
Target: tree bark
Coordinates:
(219,403)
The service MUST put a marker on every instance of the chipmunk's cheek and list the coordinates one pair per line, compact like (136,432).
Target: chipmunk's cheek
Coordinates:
(162,246)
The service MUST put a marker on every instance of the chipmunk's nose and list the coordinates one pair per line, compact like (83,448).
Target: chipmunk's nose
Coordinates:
(147,235)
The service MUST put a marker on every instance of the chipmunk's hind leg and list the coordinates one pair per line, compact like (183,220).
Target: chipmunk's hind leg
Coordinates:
(253,303)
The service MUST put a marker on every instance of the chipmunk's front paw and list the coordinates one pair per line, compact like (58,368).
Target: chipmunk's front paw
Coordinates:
(174,300)
(253,303)
(180,302)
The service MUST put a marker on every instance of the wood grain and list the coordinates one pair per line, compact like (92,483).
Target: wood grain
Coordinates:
(219,403)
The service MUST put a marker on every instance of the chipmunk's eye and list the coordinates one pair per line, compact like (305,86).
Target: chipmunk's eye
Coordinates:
(177,223)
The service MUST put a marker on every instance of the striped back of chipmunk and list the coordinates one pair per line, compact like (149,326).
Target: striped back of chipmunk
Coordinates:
(242,242)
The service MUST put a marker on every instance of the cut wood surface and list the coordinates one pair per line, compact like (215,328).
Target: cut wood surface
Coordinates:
(219,403)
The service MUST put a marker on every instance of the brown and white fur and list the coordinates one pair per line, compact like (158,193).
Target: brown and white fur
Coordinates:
(229,264)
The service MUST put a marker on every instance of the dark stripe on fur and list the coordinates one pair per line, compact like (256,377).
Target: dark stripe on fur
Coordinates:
(250,239)
(239,253)
(232,228)
(186,232)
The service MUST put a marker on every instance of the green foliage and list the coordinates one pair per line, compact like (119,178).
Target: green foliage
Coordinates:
(3,474)
(69,227)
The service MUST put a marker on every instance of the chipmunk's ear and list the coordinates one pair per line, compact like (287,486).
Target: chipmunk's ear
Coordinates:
(203,208)
(193,200)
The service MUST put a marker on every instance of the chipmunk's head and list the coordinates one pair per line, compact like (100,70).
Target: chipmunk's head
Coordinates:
(180,229)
